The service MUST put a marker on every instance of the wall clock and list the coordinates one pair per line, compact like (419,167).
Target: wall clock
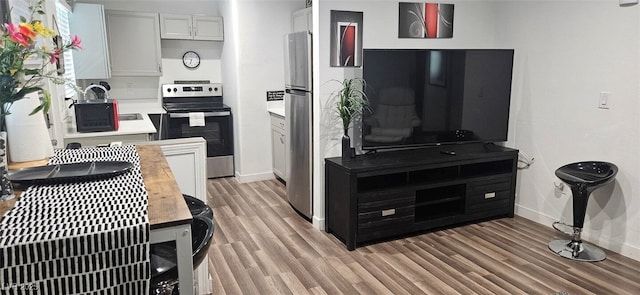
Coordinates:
(191,59)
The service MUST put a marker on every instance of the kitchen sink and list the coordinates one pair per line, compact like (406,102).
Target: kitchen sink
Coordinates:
(129,117)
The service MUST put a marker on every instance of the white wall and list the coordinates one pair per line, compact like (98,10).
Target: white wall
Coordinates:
(253,57)
(565,54)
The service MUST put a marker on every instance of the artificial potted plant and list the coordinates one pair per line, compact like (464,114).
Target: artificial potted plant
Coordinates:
(351,102)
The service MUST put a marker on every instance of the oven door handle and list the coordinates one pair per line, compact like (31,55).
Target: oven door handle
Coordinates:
(206,114)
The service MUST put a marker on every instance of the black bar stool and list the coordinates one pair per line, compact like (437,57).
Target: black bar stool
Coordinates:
(164,269)
(583,178)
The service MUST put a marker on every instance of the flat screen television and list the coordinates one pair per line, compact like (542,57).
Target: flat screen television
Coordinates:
(423,97)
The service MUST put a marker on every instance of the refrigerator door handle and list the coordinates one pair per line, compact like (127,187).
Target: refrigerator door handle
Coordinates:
(296,92)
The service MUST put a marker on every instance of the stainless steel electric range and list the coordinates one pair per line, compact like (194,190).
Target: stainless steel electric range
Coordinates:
(196,110)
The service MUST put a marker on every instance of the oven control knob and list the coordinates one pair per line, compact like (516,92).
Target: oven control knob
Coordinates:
(169,89)
(175,89)
(215,89)
(210,89)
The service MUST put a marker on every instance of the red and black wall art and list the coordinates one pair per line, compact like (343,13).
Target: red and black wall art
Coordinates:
(425,20)
(346,39)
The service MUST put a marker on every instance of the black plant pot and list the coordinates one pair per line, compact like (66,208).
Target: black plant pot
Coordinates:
(347,151)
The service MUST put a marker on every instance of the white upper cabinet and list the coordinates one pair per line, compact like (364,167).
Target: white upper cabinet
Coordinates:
(87,21)
(191,27)
(208,28)
(175,26)
(134,43)
(301,20)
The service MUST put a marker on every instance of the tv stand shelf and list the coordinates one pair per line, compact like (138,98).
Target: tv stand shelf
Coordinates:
(392,193)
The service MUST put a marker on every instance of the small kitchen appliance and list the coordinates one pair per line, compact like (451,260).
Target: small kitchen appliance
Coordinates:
(96,115)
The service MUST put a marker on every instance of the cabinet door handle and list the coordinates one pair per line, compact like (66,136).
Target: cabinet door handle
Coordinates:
(388,212)
(490,195)
(282,139)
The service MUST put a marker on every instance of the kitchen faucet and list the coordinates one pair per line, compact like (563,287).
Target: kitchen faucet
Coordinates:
(106,92)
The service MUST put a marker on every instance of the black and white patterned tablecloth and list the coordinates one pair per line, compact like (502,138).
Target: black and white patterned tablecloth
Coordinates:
(79,238)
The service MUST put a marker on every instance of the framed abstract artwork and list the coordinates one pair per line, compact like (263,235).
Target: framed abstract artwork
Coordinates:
(346,39)
(425,20)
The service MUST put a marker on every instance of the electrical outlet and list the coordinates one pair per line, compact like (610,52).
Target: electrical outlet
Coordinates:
(130,88)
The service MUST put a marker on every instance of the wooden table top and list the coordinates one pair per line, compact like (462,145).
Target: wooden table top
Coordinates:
(166,205)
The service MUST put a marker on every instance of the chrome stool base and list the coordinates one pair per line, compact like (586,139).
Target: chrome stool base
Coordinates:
(577,250)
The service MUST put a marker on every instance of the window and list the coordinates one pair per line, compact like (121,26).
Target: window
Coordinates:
(62,19)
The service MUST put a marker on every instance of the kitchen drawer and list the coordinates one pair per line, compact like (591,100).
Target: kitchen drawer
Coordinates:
(277,122)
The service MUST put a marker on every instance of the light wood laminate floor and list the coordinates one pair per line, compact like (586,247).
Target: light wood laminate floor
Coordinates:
(262,246)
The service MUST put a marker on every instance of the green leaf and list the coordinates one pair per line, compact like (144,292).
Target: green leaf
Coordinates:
(351,100)
(45,103)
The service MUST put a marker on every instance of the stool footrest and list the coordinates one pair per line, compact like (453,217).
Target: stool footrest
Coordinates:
(555,226)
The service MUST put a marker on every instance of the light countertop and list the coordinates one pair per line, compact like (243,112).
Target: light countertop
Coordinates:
(154,107)
(127,127)
(276,107)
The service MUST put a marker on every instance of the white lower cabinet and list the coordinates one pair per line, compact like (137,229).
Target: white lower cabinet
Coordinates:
(187,158)
(278,147)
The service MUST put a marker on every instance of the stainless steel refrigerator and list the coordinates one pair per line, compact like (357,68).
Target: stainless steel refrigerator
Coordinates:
(299,118)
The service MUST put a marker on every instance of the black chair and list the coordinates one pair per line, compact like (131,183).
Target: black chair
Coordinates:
(164,269)
(198,207)
(583,178)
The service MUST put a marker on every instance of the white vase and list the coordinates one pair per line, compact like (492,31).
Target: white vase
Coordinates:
(6,189)
(27,136)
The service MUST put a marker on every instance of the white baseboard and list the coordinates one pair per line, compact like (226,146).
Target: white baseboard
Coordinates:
(318,223)
(536,216)
(622,248)
(254,177)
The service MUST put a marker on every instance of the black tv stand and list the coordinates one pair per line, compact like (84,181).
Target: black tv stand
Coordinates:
(401,192)
(491,147)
